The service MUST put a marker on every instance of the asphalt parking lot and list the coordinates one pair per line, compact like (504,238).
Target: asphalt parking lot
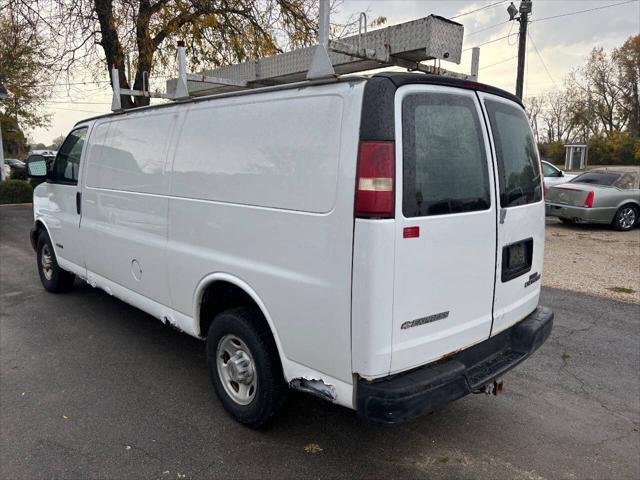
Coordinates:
(93,388)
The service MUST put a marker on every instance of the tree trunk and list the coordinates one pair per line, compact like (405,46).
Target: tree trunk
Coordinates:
(112,47)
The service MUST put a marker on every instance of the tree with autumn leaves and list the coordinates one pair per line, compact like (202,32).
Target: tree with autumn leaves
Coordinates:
(139,36)
(598,104)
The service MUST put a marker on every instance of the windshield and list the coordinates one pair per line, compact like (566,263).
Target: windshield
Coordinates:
(597,178)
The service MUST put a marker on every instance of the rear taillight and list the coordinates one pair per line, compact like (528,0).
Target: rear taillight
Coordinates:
(375,196)
(588,203)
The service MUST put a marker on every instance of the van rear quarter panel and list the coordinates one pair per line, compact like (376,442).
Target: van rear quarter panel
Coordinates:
(263,190)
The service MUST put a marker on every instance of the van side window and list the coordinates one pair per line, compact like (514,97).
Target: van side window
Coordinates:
(444,160)
(67,163)
(516,152)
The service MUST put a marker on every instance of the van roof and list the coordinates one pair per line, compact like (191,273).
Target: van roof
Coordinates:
(403,78)
(397,78)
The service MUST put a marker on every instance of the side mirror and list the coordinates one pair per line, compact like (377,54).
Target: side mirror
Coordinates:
(37,166)
(560,173)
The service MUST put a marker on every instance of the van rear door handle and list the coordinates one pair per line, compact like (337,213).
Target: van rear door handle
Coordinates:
(78,201)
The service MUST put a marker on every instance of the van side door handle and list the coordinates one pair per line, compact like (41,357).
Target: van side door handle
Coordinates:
(78,202)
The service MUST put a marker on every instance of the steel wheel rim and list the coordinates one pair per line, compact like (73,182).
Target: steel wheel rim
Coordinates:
(236,370)
(46,260)
(627,217)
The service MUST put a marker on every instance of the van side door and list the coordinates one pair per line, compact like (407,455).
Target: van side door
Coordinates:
(65,202)
(520,249)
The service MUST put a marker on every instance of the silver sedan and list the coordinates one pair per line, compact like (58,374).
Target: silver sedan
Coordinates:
(610,196)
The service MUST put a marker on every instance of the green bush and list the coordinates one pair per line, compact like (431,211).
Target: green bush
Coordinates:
(552,152)
(19,175)
(15,191)
(617,149)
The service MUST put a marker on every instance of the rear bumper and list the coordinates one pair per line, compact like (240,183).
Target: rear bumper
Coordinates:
(592,215)
(422,390)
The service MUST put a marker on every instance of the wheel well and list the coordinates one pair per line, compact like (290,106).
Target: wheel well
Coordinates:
(630,204)
(220,296)
(37,229)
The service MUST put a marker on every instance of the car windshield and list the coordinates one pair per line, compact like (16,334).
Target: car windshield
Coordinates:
(597,178)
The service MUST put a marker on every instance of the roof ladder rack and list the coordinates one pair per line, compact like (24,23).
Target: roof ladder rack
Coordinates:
(404,45)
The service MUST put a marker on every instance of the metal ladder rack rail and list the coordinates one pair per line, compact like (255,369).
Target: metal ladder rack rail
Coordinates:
(404,45)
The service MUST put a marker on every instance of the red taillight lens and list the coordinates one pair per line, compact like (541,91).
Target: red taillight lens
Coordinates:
(375,196)
(588,203)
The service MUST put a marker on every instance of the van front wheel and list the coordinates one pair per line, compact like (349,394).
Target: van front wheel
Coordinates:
(244,366)
(53,278)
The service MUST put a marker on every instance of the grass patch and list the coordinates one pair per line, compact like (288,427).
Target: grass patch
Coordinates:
(621,290)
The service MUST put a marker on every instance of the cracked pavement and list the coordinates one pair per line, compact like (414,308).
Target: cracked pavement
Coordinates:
(93,388)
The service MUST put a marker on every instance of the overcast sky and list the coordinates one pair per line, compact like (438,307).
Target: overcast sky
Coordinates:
(562,44)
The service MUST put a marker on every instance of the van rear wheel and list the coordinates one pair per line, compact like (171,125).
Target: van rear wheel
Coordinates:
(53,278)
(244,366)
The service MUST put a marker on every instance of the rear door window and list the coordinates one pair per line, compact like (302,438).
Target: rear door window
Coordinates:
(444,160)
(516,153)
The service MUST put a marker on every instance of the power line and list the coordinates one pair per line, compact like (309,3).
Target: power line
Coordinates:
(542,60)
(583,11)
(77,110)
(499,63)
(78,102)
(486,28)
(486,43)
(478,9)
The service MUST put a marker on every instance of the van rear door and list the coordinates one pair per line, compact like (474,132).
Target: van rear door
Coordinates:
(445,248)
(520,250)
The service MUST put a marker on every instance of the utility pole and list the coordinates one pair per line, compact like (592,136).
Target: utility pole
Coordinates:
(524,10)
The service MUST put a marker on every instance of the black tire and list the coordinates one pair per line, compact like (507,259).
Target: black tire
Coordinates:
(621,219)
(54,279)
(567,221)
(247,325)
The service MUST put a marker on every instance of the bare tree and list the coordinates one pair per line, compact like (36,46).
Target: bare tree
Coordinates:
(556,118)
(534,106)
(598,81)
(94,35)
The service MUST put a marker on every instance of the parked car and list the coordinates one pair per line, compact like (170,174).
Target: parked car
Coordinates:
(553,175)
(17,166)
(338,238)
(606,196)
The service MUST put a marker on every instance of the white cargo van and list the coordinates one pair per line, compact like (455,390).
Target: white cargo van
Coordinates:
(377,241)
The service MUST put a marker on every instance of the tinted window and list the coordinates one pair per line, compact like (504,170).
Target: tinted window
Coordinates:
(549,171)
(516,153)
(67,163)
(597,178)
(444,161)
